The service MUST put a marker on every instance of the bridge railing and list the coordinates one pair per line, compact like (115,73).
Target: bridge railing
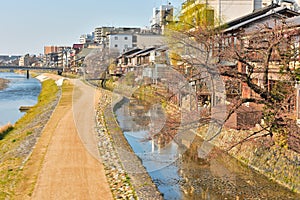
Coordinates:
(31,68)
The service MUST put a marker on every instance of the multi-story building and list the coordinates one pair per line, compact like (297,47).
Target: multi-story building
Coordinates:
(120,42)
(195,13)
(50,49)
(56,55)
(100,33)
(24,60)
(229,10)
(87,38)
(54,49)
(161,17)
(225,11)
(9,60)
(117,39)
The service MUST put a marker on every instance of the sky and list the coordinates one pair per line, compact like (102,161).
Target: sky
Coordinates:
(29,25)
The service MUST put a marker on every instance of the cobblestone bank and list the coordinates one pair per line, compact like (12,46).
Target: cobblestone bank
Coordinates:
(127,176)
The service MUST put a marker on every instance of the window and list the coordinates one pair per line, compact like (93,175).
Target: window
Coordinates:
(125,46)
(134,38)
(125,38)
(116,46)
(116,37)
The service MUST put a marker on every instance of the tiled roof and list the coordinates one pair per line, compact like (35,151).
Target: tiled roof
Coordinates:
(258,15)
(141,52)
(129,52)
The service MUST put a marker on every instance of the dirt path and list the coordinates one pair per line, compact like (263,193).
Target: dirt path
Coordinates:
(69,169)
(84,115)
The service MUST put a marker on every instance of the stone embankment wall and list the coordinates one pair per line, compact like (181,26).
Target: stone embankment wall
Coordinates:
(121,164)
(273,160)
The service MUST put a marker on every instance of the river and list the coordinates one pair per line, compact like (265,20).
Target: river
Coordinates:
(20,92)
(188,176)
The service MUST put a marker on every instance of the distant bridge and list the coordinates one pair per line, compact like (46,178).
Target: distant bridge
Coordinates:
(58,69)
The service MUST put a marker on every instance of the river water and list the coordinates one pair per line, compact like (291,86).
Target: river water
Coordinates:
(20,92)
(184,175)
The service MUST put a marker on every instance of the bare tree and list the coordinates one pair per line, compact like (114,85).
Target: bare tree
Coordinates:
(266,57)
(96,64)
(261,60)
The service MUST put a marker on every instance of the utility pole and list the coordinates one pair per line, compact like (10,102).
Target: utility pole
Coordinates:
(220,10)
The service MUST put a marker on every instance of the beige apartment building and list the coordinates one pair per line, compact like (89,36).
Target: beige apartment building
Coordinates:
(228,10)
(54,49)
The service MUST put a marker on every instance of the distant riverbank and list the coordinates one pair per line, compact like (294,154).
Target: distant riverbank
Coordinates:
(3,83)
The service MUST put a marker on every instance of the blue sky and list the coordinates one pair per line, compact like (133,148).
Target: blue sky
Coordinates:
(28,25)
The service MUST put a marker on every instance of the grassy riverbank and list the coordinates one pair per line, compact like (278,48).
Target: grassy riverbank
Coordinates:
(17,144)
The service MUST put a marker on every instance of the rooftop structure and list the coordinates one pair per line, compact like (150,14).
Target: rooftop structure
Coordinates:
(161,17)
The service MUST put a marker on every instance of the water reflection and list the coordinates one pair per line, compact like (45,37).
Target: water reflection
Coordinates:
(157,153)
(175,164)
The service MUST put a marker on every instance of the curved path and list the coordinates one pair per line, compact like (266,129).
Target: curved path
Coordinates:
(69,169)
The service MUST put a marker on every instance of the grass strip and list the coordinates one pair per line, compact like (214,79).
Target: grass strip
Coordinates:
(17,142)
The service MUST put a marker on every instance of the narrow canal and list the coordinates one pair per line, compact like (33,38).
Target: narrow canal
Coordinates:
(20,92)
(185,175)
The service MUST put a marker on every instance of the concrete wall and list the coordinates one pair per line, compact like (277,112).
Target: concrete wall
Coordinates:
(144,41)
(231,9)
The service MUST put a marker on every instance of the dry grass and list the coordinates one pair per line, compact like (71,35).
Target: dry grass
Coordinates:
(4,130)
(29,174)
(10,160)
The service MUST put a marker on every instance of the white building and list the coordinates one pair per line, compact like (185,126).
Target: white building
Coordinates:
(228,10)
(24,60)
(120,42)
(86,38)
(161,17)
